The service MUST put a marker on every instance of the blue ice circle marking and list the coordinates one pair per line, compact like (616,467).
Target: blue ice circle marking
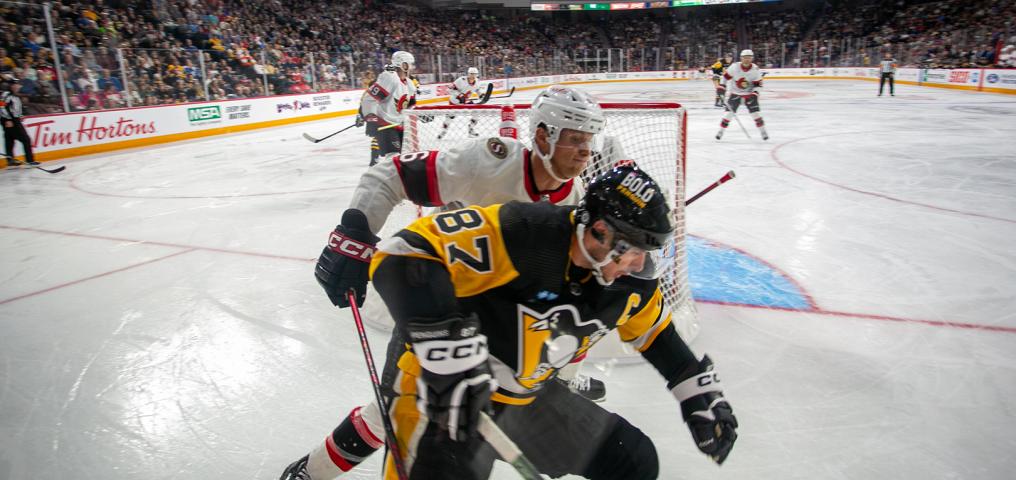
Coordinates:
(722,274)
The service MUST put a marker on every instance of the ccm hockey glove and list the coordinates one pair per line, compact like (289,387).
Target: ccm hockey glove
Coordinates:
(344,263)
(708,415)
(455,381)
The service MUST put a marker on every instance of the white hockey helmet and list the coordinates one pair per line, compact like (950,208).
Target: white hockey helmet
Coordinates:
(473,71)
(747,53)
(400,57)
(558,107)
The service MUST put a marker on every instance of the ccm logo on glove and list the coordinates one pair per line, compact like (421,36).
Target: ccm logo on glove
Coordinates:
(438,354)
(349,247)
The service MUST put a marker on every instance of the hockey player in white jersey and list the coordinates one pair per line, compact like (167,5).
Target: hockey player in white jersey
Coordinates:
(383,102)
(744,80)
(563,129)
(461,93)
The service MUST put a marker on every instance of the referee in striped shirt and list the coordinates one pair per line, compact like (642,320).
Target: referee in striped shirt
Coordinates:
(888,69)
(11,112)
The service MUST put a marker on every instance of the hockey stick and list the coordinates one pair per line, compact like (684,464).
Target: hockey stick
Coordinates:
(486,95)
(393,443)
(316,140)
(506,448)
(47,170)
(721,181)
(510,92)
(726,105)
(56,170)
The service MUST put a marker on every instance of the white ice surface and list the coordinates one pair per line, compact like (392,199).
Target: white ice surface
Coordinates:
(159,318)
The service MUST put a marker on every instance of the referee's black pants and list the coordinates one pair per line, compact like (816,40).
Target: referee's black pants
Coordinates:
(881,84)
(17,132)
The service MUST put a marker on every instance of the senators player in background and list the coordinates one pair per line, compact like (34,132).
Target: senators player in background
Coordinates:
(383,102)
(744,80)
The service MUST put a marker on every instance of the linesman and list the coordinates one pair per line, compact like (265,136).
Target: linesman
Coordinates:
(888,69)
(11,112)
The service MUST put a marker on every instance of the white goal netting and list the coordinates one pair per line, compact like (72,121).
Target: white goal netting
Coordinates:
(651,134)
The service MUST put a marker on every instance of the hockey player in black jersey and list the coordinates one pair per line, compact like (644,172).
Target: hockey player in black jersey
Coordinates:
(496,299)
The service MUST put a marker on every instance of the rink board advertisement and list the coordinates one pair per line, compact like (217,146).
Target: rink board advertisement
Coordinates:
(72,134)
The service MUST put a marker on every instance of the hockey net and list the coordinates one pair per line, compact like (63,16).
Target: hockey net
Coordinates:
(651,134)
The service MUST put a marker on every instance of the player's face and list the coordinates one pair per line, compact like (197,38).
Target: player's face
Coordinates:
(572,153)
(471,77)
(626,259)
(746,60)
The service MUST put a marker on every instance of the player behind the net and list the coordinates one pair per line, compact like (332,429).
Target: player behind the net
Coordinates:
(744,81)
(485,171)
(383,102)
(461,92)
(517,291)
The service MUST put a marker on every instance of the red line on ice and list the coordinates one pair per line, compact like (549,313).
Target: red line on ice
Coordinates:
(776,158)
(93,277)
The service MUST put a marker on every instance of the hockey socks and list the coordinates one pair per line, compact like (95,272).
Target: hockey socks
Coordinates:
(349,444)
(723,125)
(761,124)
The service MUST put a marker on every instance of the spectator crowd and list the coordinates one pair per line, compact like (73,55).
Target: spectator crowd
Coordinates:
(117,53)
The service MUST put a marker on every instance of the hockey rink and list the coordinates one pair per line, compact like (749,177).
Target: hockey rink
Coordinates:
(159,318)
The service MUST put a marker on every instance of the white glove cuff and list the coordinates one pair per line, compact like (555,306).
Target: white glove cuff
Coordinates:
(445,357)
(704,382)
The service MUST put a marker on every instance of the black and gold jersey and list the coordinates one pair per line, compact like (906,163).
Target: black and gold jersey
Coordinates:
(718,68)
(510,264)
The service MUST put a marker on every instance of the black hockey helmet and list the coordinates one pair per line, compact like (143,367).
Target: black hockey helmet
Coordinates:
(632,203)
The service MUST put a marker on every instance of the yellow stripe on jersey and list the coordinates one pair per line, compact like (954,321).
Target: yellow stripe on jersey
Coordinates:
(641,328)
(471,245)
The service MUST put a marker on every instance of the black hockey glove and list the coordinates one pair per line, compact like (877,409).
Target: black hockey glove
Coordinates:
(345,261)
(708,415)
(455,381)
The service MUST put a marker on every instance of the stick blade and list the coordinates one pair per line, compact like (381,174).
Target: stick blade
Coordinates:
(310,138)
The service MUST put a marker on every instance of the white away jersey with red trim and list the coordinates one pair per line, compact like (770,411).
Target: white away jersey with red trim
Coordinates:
(743,81)
(387,97)
(461,90)
(483,171)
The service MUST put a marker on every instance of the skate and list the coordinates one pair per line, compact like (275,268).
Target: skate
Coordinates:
(297,470)
(719,134)
(765,135)
(31,162)
(589,387)
(11,163)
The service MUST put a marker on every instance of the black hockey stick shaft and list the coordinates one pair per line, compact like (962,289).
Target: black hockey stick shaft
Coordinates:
(728,176)
(316,140)
(736,118)
(486,95)
(393,442)
(510,92)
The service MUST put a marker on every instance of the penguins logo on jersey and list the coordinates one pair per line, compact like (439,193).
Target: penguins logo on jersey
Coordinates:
(551,339)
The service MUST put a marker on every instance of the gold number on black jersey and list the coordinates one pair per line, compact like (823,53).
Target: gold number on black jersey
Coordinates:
(452,222)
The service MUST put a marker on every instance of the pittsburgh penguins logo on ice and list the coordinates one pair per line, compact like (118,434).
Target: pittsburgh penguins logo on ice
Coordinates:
(636,189)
